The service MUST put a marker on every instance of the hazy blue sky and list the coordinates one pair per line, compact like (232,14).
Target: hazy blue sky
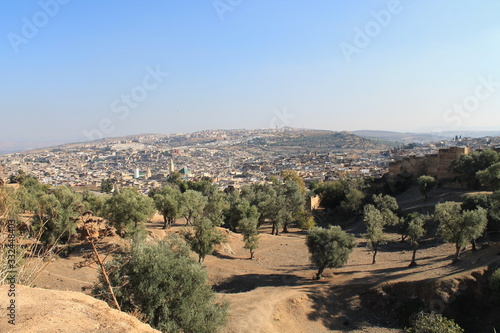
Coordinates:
(67,66)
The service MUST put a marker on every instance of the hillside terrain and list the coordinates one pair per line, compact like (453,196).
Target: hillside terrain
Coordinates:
(314,139)
(284,139)
(49,311)
(276,292)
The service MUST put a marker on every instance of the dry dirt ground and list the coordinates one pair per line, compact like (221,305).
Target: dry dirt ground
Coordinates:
(276,291)
(50,311)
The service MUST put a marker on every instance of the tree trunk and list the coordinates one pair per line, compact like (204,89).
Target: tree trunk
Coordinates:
(251,254)
(474,248)
(285,228)
(457,253)
(413,262)
(165,222)
(319,274)
(274,227)
(201,259)
(375,250)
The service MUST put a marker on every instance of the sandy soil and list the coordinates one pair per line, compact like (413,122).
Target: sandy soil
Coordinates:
(49,311)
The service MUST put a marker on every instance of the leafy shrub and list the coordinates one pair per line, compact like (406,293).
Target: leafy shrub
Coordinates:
(169,288)
(433,323)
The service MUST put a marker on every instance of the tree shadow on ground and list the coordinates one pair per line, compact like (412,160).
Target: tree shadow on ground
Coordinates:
(224,256)
(335,307)
(247,282)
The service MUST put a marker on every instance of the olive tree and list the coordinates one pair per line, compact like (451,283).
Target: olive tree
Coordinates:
(128,210)
(459,227)
(374,221)
(55,214)
(192,205)
(168,202)
(416,230)
(329,248)
(490,177)
(426,184)
(204,238)
(162,282)
(248,227)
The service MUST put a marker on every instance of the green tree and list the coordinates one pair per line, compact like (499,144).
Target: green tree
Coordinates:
(374,221)
(490,177)
(469,165)
(107,185)
(459,227)
(352,203)
(495,284)
(290,175)
(55,215)
(128,210)
(204,186)
(9,203)
(307,221)
(388,206)
(163,283)
(426,184)
(416,230)
(329,248)
(168,202)
(331,194)
(204,238)
(294,202)
(95,203)
(248,227)
(240,209)
(29,192)
(176,179)
(216,207)
(268,202)
(494,209)
(192,205)
(433,323)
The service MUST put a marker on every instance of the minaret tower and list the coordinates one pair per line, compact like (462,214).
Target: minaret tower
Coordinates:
(171,166)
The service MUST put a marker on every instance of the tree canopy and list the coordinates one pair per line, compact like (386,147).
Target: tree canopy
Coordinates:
(459,227)
(329,248)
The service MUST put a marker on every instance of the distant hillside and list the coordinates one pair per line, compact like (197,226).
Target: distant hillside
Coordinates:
(423,137)
(10,146)
(400,137)
(320,139)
